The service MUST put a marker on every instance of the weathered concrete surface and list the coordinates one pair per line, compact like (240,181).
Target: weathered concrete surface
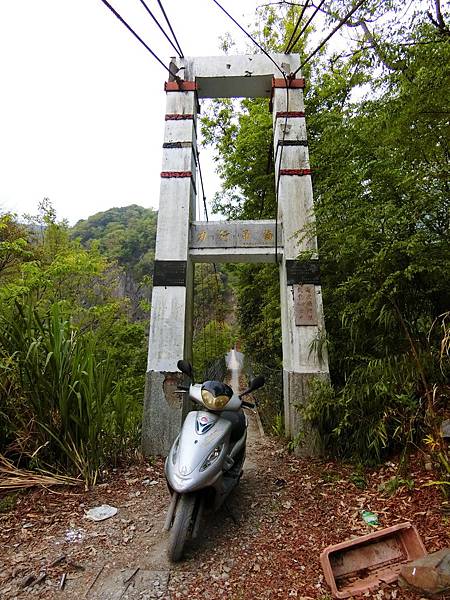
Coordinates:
(164,411)
(301,361)
(429,575)
(170,337)
(296,391)
(239,76)
(170,329)
(234,241)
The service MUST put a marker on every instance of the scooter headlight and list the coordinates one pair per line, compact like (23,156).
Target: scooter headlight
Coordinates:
(214,402)
(212,456)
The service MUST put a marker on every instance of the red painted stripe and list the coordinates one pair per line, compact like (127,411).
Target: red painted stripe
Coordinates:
(183,86)
(179,117)
(291,83)
(290,114)
(169,174)
(295,171)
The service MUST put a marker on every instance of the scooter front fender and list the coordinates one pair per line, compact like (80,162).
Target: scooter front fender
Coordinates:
(186,466)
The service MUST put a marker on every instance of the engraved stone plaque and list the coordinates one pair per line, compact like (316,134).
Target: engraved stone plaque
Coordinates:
(305,307)
(234,234)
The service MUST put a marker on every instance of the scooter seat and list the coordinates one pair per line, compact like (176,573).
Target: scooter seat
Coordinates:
(237,420)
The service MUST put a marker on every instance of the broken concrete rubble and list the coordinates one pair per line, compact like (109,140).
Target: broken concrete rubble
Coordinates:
(428,575)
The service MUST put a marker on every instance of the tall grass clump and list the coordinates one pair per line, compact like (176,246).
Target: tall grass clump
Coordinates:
(59,393)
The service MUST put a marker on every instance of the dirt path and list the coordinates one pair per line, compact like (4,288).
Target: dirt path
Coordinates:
(125,556)
(267,546)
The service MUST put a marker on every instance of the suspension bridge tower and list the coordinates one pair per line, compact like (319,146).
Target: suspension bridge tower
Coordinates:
(181,241)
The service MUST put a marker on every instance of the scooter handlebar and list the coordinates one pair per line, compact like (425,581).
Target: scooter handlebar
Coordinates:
(248,404)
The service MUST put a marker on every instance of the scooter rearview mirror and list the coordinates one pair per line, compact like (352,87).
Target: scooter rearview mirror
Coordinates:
(185,367)
(254,384)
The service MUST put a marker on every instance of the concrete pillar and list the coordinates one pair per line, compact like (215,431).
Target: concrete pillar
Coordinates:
(170,336)
(301,299)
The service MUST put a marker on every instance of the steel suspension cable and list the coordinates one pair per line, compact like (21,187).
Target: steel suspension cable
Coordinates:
(131,30)
(170,27)
(203,187)
(303,29)
(177,50)
(283,73)
(288,45)
(249,36)
(216,275)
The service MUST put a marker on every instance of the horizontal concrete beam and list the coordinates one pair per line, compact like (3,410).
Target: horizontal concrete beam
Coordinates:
(234,255)
(243,76)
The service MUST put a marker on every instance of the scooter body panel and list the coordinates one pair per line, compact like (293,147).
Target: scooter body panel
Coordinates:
(204,436)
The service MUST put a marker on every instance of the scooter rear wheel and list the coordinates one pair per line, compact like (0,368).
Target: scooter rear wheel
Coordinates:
(183,524)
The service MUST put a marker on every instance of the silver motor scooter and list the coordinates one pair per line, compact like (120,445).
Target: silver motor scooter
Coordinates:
(206,459)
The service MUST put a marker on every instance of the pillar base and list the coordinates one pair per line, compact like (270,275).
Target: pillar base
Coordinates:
(164,411)
(296,390)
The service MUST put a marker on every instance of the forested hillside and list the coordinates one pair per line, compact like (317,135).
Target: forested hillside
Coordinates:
(126,235)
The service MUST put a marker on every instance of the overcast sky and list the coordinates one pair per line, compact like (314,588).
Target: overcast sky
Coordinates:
(82,102)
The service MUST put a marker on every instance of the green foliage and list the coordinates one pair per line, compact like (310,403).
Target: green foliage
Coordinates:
(8,503)
(210,303)
(14,247)
(392,485)
(382,225)
(278,425)
(72,406)
(65,386)
(72,365)
(358,479)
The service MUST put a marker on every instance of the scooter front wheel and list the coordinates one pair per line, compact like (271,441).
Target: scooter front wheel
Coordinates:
(182,527)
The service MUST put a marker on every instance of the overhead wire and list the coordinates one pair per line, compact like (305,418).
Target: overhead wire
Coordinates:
(170,27)
(177,49)
(269,163)
(205,208)
(132,31)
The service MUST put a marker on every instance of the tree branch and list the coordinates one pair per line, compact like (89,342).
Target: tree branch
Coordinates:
(380,53)
(440,23)
(369,35)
